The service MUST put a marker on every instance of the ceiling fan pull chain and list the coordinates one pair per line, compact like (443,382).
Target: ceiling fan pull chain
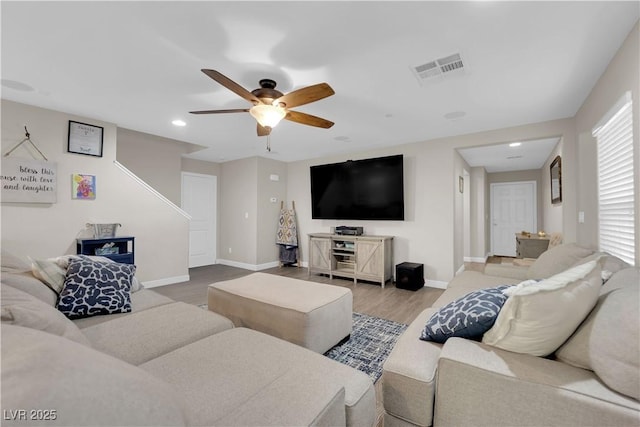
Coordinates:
(269,143)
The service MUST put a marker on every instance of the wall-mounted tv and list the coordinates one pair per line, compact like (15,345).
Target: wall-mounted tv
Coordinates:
(370,189)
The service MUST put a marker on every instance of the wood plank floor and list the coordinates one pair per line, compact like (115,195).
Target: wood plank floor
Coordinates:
(390,303)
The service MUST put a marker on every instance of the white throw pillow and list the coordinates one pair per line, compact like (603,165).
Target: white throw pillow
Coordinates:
(539,316)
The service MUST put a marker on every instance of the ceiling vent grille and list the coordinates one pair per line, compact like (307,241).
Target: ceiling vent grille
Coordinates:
(439,67)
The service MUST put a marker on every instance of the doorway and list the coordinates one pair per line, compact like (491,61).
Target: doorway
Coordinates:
(199,196)
(513,209)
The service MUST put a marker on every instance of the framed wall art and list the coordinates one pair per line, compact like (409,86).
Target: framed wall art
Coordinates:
(83,187)
(85,139)
(556,180)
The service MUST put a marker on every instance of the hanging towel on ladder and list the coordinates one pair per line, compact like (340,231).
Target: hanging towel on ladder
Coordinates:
(287,236)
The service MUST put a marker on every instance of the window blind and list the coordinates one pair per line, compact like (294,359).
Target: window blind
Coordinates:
(616,182)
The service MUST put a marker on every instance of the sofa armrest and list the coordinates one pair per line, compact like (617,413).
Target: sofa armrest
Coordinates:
(504,270)
(481,385)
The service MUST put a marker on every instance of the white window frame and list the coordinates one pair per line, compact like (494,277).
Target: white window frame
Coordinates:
(616,216)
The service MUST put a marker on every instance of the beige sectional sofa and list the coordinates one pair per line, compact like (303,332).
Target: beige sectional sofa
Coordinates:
(591,379)
(165,363)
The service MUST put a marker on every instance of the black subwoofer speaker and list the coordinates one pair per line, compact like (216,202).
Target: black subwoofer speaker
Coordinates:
(409,276)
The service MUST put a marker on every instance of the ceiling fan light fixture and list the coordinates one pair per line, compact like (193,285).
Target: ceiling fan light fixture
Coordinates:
(267,115)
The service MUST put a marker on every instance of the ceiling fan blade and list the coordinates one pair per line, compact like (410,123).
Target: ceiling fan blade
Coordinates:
(306,95)
(232,86)
(308,119)
(263,131)
(237,110)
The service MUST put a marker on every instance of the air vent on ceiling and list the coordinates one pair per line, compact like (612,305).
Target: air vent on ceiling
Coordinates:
(439,67)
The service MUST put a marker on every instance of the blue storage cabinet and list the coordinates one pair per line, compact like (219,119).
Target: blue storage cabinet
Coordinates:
(123,248)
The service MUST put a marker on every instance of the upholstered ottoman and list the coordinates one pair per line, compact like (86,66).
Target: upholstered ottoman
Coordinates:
(312,315)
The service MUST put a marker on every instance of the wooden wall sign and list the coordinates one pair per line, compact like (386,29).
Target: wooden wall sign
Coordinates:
(29,181)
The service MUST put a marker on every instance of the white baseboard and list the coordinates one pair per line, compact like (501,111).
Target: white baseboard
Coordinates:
(436,284)
(165,281)
(252,267)
(480,260)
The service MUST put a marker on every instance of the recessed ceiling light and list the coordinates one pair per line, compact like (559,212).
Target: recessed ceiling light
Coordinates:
(515,144)
(179,122)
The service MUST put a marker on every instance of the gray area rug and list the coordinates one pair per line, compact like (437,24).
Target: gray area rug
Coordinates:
(372,339)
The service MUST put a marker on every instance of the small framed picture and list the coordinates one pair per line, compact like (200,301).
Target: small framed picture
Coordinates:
(83,187)
(85,139)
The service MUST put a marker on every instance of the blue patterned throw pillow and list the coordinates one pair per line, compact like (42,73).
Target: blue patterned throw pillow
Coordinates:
(92,288)
(467,317)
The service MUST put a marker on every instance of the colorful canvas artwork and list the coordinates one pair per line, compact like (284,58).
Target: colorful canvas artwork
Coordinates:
(83,187)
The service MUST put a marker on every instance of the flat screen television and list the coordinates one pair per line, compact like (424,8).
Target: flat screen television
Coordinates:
(370,189)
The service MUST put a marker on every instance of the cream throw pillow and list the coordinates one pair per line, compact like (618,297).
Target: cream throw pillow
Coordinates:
(22,309)
(49,273)
(556,260)
(539,316)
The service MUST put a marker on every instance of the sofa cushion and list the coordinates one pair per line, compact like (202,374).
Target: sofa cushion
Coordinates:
(93,288)
(409,374)
(467,317)
(577,349)
(539,316)
(615,340)
(11,263)
(557,260)
(143,300)
(22,309)
(81,385)
(145,335)
(609,264)
(479,385)
(27,282)
(469,281)
(244,364)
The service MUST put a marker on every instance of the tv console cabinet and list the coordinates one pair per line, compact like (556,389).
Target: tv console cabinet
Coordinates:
(365,257)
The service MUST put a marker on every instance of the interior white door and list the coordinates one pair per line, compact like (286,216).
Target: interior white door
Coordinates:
(513,209)
(199,194)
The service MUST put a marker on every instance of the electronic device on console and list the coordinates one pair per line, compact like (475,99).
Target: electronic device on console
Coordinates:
(349,231)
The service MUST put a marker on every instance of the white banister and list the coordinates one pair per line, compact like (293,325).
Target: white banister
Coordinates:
(151,189)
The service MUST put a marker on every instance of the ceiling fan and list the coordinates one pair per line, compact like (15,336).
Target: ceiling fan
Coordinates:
(270,105)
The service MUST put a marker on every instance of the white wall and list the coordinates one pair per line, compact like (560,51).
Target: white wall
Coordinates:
(49,230)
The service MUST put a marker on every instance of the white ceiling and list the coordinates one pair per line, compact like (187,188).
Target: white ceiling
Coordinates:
(137,64)
(513,156)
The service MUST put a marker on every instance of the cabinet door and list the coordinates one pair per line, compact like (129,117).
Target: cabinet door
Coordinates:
(320,254)
(369,259)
